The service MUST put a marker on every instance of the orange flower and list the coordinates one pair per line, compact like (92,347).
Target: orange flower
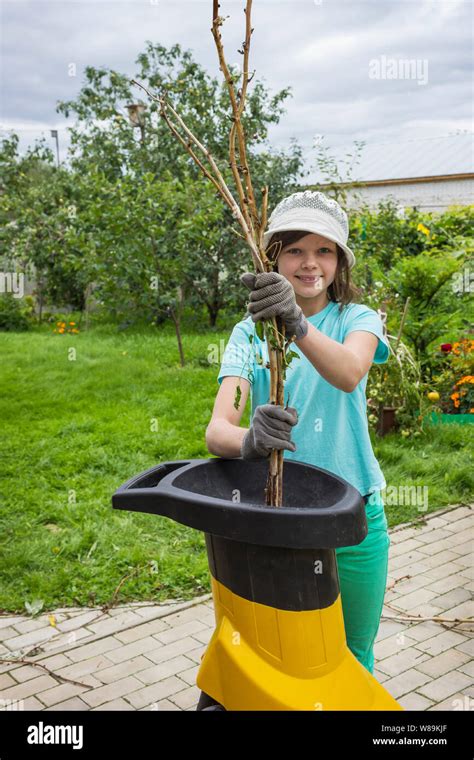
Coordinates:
(465,379)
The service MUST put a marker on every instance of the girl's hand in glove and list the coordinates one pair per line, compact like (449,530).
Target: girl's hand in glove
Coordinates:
(272,295)
(270,429)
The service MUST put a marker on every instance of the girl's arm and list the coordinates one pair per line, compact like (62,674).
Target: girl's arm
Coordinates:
(223,434)
(341,364)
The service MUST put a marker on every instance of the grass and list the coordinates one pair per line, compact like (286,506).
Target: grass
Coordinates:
(75,429)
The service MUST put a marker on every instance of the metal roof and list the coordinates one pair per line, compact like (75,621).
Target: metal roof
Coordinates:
(404,159)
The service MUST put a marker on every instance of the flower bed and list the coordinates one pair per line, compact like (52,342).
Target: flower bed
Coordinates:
(454,381)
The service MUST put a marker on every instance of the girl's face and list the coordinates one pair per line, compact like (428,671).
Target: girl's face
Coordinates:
(310,265)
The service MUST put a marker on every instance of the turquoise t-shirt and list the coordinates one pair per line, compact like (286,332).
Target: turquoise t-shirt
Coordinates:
(332,429)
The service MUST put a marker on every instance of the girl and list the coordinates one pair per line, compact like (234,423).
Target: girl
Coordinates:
(337,341)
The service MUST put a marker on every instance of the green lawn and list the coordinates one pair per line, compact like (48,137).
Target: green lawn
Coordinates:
(73,431)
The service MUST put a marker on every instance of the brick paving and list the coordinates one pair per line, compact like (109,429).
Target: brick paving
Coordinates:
(145,656)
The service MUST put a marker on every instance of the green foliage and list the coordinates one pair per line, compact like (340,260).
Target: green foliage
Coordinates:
(16,314)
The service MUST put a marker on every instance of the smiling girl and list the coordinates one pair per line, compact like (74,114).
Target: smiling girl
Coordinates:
(337,341)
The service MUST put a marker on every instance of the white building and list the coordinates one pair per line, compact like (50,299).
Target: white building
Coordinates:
(430,174)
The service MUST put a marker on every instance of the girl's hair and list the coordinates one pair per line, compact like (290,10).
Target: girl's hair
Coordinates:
(342,289)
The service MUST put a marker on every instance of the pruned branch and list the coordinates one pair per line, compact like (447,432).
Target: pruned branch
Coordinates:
(244,210)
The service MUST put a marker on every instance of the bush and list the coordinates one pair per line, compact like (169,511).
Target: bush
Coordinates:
(16,314)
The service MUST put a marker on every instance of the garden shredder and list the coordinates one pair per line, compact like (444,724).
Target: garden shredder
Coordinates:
(279,641)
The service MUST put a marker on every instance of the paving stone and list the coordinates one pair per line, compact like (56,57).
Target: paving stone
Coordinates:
(414,701)
(111,691)
(455,702)
(6,681)
(116,704)
(163,705)
(197,654)
(467,667)
(415,599)
(443,687)
(437,666)
(422,631)
(410,657)
(408,681)
(387,628)
(392,645)
(453,598)
(191,627)
(78,671)
(444,585)
(30,639)
(165,652)
(32,687)
(441,642)
(78,621)
(86,651)
(74,704)
(8,620)
(63,692)
(187,698)
(164,669)
(189,675)
(140,631)
(467,647)
(115,624)
(127,651)
(156,692)
(126,668)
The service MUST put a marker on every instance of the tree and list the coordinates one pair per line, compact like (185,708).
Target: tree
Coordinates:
(37,208)
(104,137)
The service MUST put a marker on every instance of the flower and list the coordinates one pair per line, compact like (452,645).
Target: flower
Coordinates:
(421,228)
(433,396)
(446,347)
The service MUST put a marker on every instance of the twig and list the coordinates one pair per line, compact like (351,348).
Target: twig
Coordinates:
(13,661)
(245,212)
(435,618)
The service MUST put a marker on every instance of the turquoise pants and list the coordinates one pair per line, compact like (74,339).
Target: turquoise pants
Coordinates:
(363,576)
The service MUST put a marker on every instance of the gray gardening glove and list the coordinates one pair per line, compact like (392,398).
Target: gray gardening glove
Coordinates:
(270,429)
(272,295)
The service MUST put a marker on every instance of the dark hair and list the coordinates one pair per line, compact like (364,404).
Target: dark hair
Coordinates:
(342,289)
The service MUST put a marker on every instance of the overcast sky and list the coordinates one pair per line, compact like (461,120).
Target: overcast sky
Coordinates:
(376,70)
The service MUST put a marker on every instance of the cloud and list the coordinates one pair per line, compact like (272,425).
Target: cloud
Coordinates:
(321,49)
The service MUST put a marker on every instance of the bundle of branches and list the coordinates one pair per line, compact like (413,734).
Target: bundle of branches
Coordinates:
(245,211)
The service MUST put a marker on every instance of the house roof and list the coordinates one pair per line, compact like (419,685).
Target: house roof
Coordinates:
(420,157)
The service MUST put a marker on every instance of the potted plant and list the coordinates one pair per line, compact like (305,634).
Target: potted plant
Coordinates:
(394,390)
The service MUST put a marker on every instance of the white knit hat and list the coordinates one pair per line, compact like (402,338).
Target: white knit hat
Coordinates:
(314,212)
